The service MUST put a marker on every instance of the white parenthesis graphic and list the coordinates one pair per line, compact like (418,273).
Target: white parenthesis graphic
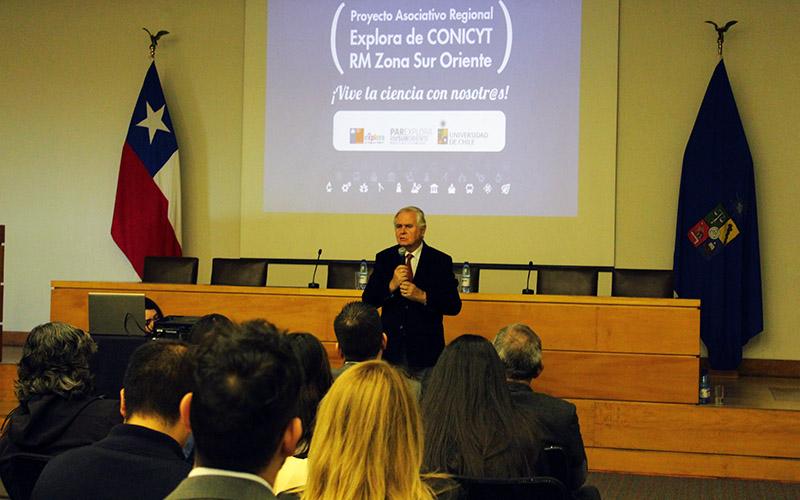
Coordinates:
(509,38)
(333,38)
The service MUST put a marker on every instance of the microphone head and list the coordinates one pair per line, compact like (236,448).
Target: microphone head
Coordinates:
(319,252)
(402,251)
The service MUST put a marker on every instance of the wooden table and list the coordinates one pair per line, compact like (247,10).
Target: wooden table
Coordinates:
(613,348)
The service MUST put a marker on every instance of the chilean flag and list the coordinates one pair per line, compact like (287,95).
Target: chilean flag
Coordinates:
(147,211)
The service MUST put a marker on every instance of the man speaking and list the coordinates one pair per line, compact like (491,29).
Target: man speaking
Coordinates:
(414,285)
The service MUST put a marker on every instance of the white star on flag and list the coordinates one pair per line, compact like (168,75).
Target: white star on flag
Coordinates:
(154,121)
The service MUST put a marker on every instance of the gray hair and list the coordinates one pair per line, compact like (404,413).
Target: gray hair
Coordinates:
(55,360)
(420,214)
(521,351)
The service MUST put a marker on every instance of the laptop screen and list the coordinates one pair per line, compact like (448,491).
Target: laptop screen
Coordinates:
(116,314)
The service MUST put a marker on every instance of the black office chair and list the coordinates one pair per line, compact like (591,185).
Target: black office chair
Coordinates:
(180,270)
(553,462)
(20,472)
(642,283)
(528,488)
(239,272)
(343,275)
(567,281)
(474,276)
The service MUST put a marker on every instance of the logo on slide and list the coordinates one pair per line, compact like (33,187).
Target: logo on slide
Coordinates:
(441,136)
(356,136)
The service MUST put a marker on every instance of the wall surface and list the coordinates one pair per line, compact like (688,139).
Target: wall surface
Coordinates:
(71,75)
(72,71)
(667,55)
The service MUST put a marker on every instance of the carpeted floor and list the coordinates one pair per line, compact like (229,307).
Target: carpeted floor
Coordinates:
(628,486)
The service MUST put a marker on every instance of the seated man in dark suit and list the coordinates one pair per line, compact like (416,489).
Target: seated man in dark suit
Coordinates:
(243,413)
(360,337)
(143,457)
(521,351)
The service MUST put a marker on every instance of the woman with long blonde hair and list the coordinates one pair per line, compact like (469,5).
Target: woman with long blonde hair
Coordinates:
(368,439)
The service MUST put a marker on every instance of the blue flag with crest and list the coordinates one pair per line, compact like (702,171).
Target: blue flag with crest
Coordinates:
(716,239)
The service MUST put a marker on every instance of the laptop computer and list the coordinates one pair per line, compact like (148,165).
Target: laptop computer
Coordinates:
(116,314)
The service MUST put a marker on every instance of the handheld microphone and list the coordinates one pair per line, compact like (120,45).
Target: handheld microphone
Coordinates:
(402,253)
(313,283)
(527,290)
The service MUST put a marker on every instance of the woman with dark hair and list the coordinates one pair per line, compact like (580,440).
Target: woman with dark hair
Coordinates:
(152,314)
(472,428)
(56,411)
(317,380)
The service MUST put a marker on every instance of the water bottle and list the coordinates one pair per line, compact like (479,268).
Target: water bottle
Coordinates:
(705,390)
(466,281)
(363,275)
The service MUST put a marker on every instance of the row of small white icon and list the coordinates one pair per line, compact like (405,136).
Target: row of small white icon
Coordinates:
(462,179)
(416,188)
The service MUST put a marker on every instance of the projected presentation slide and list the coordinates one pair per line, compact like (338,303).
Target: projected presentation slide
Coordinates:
(463,108)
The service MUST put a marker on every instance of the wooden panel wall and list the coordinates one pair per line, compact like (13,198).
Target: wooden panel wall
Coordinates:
(681,439)
(629,365)
(596,347)
(2,282)
(8,401)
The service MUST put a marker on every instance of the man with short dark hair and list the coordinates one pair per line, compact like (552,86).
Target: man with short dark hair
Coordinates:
(360,337)
(243,413)
(143,457)
(359,333)
(207,325)
(521,351)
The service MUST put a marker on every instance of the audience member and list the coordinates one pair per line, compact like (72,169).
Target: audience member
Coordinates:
(316,382)
(243,413)
(472,428)
(152,314)
(208,324)
(368,440)
(56,411)
(520,349)
(143,457)
(360,337)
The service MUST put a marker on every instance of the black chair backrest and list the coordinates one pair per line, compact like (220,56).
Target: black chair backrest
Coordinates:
(642,283)
(239,272)
(555,463)
(343,275)
(529,488)
(567,281)
(180,270)
(474,276)
(19,473)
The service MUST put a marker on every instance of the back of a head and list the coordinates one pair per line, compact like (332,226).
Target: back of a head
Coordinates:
(55,360)
(246,385)
(317,380)
(207,325)
(359,331)
(159,374)
(468,413)
(520,349)
(368,440)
